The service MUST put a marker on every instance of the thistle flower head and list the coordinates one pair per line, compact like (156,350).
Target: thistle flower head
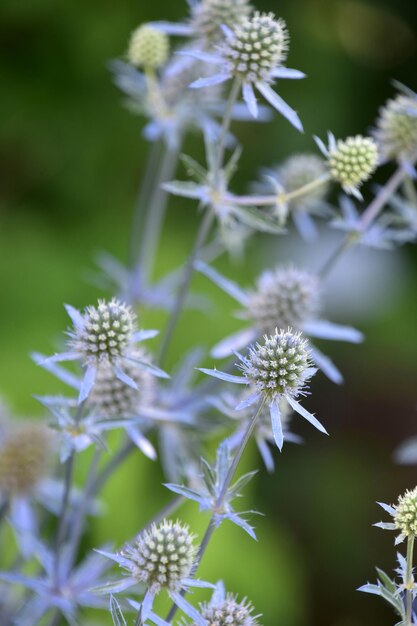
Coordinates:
(229,612)
(148,47)
(299,170)
(256,47)
(405,516)
(284,297)
(111,397)
(396,129)
(162,557)
(209,15)
(352,161)
(279,365)
(106,332)
(24,455)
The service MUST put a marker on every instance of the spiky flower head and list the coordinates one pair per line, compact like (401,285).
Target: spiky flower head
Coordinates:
(106,332)
(162,556)
(256,47)
(352,161)
(24,455)
(279,365)
(148,47)
(208,16)
(405,517)
(284,297)
(229,612)
(396,130)
(110,397)
(300,170)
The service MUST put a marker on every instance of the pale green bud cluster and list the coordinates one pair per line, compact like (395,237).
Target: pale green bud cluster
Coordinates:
(162,556)
(229,612)
(284,297)
(405,517)
(148,48)
(353,160)
(106,332)
(24,454)
(278,365)
(258,46)
(396,131)
(209,15)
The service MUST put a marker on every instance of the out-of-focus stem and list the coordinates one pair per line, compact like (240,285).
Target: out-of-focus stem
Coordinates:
(409,583)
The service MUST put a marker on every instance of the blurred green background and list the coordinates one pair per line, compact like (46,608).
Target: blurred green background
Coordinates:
(71,158)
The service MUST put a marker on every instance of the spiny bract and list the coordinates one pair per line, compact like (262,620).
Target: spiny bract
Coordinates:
(148,47)
(279,365)
(256,47)
(110,397)
(353,160)
(284,297)
(405,517)
(208,16)
(162,557)
(396,131)
(24,455)
(106,332)
(229,612)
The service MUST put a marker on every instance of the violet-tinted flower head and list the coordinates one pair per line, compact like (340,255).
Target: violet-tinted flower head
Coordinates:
(256,48)
(279,365)
(110,397)
(106,332)
(25,450)
(284,297)
(163,556)
(208,16)
(300,170)
(396,128)
(148,47)
(229,612)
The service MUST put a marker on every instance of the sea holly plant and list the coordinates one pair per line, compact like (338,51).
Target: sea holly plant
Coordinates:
(196,426)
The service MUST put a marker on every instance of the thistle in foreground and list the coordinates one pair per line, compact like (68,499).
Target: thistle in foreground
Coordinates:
(282,297)
(253,54)
(161,558)
(404,515)
(105,336)
(278,367)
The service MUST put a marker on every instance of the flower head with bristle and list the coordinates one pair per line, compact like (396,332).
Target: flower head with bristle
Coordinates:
(104,337)
(229,612)
(404,515)
(277,367)
(396,129)
(252,55)
(162,558)
(351,161)
(208,17)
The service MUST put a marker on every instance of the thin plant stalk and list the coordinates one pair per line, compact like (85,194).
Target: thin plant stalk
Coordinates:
(218,505)
(63,518)
(367,218)
(227,118)
(409,583)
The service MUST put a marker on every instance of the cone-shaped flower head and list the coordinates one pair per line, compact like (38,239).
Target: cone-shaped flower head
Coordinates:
(106,332)
(396,131)
(279,365)
(405,517)
(111,397)
(148,47)
(162,557)
(300,170)
(352,161)
(24,454)
(284,297)
(208,16)
(257,47)
(229,612)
